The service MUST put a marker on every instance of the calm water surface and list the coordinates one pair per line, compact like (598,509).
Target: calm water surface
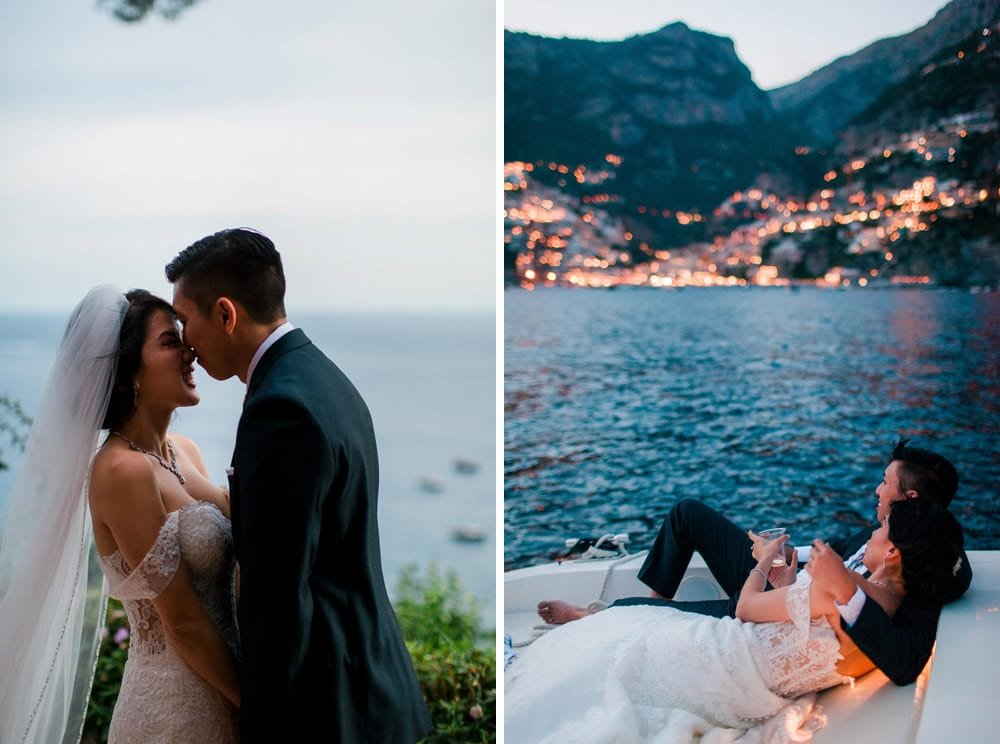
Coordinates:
(430,383)
(777,407)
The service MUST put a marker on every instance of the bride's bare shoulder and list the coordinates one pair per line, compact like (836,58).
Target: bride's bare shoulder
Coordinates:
(121,475)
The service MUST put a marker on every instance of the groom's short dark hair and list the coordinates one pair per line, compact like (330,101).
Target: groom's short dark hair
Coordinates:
(931,475)
(238,263)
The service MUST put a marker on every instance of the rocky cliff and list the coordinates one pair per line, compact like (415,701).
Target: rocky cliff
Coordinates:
(677,105)
(822,103)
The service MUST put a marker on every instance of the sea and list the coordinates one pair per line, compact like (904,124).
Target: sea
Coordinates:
(777,406)
(430,383)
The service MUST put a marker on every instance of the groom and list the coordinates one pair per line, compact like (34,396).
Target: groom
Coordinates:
(899,646)
(323,657)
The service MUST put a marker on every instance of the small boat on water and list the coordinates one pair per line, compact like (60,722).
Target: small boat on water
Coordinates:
(954,699)
(465,466)
(430,484)
(469,533)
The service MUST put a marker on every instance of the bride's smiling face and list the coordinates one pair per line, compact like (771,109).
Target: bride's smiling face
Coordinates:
(880,547)
(166,374)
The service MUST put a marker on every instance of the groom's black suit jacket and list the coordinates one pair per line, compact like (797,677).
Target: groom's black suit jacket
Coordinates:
(323,657)
(899,646)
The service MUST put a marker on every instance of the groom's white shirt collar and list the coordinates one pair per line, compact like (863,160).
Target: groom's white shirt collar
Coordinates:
(268,342)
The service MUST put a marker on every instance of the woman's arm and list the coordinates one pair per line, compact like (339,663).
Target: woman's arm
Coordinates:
(758,605)
(755,603)
(125,499)
(194,634)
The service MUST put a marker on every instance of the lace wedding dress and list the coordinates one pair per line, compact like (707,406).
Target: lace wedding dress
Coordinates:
(162,700)
(655,674)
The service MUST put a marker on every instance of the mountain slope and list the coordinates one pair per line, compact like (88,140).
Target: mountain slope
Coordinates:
(824,101)
(677,106)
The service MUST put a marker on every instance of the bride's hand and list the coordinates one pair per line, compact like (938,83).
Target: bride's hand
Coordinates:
(763,550)
(785,575)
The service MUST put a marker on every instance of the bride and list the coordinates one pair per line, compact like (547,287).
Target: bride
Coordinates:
(656,674)
(161,532)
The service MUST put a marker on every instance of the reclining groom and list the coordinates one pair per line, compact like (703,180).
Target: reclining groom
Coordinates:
(899,646)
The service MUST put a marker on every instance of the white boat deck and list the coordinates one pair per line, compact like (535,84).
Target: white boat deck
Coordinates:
(951,701)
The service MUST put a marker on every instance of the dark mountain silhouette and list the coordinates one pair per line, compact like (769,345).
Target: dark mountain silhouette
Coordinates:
(823,102)
(678,106)
(637,148)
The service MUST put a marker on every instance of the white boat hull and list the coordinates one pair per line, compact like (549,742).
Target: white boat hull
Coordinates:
(953,699)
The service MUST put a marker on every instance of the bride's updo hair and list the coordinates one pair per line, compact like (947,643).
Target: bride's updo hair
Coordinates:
(930,541)
(141,306)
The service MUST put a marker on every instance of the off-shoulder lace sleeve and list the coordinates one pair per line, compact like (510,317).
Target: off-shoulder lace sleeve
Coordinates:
(155,570)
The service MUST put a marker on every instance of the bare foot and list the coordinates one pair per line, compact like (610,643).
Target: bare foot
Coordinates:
(557,612)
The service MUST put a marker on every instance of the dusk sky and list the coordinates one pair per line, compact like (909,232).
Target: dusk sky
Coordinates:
(359,136)
(781,41)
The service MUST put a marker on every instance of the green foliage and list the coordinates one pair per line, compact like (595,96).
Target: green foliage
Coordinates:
(435,609)
(108,675)
(460,688)
(14,425)
(454,659)
(132,11)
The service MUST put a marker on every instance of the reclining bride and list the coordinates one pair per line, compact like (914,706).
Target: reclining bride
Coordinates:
(656,674)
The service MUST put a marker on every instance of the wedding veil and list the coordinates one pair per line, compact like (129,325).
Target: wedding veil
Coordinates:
(51,585)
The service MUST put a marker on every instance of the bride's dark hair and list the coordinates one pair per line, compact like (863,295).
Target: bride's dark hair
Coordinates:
(930,541)
(141,306)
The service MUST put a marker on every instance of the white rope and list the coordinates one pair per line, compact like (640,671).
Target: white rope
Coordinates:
(602,597)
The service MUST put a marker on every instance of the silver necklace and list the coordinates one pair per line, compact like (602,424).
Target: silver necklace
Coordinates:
(171,466)
(888,586)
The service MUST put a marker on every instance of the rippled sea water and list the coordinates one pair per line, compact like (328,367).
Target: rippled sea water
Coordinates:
(776,406)
(430,383)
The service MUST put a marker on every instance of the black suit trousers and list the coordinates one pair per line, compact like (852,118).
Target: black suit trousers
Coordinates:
(692,526)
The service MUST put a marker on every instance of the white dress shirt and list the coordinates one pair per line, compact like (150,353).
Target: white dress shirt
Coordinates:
(850,611)
(267,343)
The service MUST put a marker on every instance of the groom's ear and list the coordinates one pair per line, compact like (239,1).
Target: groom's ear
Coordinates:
(227,313)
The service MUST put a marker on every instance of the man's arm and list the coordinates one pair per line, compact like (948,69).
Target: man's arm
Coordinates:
(900,645)
(285,469)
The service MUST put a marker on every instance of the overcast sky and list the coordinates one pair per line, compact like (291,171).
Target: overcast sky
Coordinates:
(781,41)
(359,136)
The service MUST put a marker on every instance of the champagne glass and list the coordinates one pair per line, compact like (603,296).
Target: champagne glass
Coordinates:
(773,533)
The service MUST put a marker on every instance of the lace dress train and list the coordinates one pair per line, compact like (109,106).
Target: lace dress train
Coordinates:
(162,700)
(655,674)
